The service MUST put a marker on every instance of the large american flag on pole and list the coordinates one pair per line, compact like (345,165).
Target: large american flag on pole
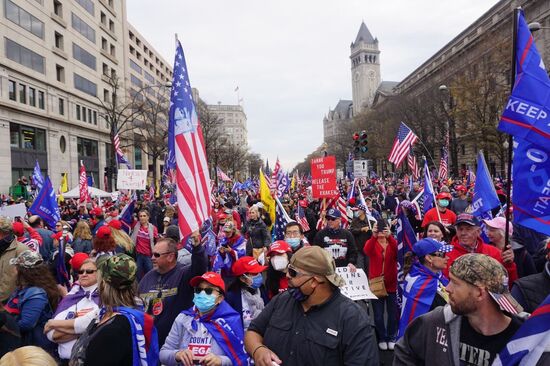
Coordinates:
(402,144)
(120,158)
(443,163)
(413,165)
(192,176)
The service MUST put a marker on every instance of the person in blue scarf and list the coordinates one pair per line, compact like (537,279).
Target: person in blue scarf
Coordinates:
(123,334)
(210,333)
(424,288)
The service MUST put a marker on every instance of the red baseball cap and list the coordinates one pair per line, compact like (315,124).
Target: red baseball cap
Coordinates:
(96,211)
(18,228)
(77,260)
(115,224)
(212,278)
(58,236)
(443,195)
(461,188)
(247,265)
(103,232)
(279,247)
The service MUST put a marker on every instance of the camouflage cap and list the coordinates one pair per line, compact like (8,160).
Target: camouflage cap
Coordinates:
(485,271)
(118,270)
(27,259)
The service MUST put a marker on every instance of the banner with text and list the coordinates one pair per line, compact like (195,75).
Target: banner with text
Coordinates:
(131,179)
(323,177)
(357,284)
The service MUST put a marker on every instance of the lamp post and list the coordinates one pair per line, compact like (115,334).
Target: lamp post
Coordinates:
(450,126)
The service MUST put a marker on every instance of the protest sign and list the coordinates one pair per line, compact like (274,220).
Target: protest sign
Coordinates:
(131,179)
(357,284)
(323,177)
(13,211)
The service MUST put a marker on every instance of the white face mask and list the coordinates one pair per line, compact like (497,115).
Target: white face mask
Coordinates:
(279,262)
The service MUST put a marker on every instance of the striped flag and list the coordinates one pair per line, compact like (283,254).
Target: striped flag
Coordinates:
(221,175)
(192,176)
(83,184)
(402,144)
(413,165)
(301,218)
(120,158)
(274,177)
(281,220)
(444,162)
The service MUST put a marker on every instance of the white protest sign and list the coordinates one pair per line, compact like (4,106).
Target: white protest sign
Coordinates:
(357,284)
(131,179)
(14,211)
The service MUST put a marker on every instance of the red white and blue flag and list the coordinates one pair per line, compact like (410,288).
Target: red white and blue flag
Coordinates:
(413,165)
(120,157)
(402,144)
(301,218)
(444,161)
(274,177)
(187,143)
(83,185)
(221,175)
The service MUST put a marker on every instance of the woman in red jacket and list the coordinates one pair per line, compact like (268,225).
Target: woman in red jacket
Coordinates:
(381,249)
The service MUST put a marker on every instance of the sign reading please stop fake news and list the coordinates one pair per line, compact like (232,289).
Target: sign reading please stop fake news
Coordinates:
(323,177)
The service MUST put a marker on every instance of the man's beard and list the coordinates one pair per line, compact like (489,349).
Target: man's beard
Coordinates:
(464,308)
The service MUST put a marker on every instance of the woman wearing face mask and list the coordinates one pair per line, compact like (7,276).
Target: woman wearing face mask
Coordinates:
(279,256)
(196,337)
(246,295)
(441,212)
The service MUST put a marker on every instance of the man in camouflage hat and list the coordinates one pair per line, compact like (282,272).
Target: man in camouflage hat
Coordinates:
(312,323)
(119,270)
(474,327)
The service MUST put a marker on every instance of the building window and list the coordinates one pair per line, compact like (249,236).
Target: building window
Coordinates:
(89,115)
(103,18)
(22,93)
(78,112)
(58,8)
(135,66)
(32,97)
(88,5)
(11,90)
(61,106)
(85,85)
(136,81)
(111,26)
(28,138)
(95,117)
(24,56)
(104,44)
(62,144)
(149,77)
(112,50)
(60,73)
(58,40)
(85,57)
(84,115)
(41,103)
(83,28)
(86,147)
(24,19)
(105,69)
(138,158)
(105,95)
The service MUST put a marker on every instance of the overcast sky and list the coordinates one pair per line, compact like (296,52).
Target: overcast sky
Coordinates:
(290,58)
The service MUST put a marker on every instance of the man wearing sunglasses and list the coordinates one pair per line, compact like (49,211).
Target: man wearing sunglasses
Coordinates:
(338,241)
(312,323)
(165,290)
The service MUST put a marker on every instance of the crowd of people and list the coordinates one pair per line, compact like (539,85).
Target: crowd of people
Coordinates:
(99,289)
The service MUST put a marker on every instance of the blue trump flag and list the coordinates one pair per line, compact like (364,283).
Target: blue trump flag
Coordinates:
(428,189)
(45,204)
(37,177)
(526,114)
(531,198)
(485,196)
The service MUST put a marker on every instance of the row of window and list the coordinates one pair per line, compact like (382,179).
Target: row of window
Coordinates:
(85,114)
(24,19)
(26,95)
(28,138)
(83,28)
(24,56)
(88,5)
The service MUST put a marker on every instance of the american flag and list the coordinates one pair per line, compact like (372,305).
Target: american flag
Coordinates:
(281,219)
(443,163)
(505,302)
(339,203)
(222,175)
(301,217)
(413,165)
(402,144)
(83,184)
(470,178)
(193,178)
(274,176)
(120,158)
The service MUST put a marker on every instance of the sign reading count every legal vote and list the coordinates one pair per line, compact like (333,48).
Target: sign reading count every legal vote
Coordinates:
(323,177)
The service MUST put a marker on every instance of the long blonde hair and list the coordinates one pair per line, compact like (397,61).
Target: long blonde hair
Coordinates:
(123,240)
(27,356)
(82,231)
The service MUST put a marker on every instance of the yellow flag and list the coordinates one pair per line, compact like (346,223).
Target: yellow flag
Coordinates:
(293,182)
(64,187)
(266,198)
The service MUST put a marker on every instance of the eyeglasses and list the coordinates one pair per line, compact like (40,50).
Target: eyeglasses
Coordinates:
(292,234)
(207,290)
(439,254)
(87,271)
(292,272)
(157,255)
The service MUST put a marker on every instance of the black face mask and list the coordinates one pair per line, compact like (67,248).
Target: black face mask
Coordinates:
(297,294)
(5,243)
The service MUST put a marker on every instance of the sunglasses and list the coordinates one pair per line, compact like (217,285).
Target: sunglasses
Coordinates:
(439,254)
(157,255)
(87,271)
(207,290)
(292,272)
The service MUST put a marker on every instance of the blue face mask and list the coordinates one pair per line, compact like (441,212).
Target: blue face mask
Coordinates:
(293,242)
(443,203)
(256,281)
(204,302)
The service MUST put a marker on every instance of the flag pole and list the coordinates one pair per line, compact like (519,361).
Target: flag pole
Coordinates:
(510,137)
(433,191)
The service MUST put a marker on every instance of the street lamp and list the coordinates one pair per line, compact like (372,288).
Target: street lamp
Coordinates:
(535,27)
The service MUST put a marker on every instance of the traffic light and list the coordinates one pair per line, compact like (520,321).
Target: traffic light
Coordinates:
(363,142)
(356,143)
